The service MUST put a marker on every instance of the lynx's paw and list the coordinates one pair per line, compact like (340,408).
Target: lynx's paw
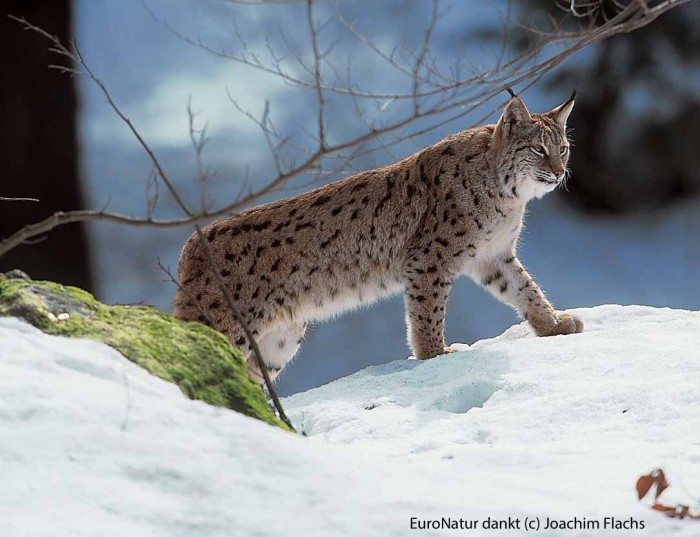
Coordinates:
(565,324)
(446,350)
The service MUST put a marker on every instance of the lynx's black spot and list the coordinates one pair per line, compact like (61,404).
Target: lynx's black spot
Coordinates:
(321,200)
(336,211)
(387,196)
(421,173)
(493,277)
(524,286)
(262,226)
(276,243)
(359,186)
(325,243)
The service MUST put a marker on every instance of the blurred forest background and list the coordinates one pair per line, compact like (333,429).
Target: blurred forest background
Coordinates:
(627,230)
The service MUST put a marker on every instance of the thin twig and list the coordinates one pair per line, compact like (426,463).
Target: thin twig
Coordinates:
(317,74)
(203,312)
(18,199)
(221,284)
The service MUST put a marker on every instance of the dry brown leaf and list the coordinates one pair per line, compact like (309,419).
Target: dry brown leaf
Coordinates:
(663,508)
(661,483)
(644,483)
(658,478)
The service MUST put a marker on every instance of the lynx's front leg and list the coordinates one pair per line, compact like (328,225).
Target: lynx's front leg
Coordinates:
(508,280)
(426,301)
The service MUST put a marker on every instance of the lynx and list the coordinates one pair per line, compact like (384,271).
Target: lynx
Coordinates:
(455,208)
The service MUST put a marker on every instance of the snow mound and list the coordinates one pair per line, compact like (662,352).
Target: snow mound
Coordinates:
(515,426)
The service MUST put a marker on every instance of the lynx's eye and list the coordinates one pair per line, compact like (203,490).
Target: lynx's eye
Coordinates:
(538,150)
(564,149)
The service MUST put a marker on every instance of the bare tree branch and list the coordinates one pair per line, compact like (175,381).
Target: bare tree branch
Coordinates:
(18,199)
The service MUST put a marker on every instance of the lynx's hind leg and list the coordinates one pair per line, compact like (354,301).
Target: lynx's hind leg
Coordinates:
(278,345)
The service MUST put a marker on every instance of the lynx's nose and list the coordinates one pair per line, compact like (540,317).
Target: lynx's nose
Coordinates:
(558,172)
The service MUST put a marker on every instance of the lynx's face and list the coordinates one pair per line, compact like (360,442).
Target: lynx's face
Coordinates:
(532,149)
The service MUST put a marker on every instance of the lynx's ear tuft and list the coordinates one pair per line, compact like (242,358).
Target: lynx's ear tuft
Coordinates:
(561,113)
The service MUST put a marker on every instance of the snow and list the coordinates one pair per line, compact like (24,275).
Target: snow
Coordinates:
(515,426)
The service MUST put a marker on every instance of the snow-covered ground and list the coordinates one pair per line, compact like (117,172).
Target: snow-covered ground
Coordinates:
(515,426)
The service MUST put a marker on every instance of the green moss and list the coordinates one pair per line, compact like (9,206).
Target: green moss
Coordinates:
(198,359)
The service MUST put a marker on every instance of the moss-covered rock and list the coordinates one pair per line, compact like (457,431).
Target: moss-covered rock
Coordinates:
(198,359)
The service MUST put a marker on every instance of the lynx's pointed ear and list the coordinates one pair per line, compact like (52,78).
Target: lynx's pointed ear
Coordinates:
(514,112)
(561,113)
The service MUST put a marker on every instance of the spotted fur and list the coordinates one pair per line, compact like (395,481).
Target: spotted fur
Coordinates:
(455,208)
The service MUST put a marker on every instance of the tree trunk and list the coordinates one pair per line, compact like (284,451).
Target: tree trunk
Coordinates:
(38,146)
